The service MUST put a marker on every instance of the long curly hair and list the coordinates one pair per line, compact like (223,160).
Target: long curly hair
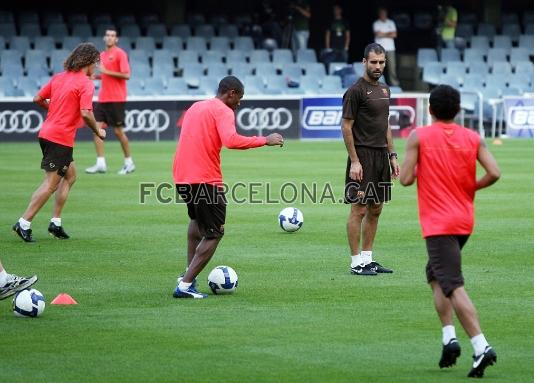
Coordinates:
(83,55)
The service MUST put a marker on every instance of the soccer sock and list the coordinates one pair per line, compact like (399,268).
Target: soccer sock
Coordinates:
(24,225)
(367,256)
(183,285)
(128,161)
(3,277)
(356,260)
(448,333)
(56,221)
(101,161)
(479,343)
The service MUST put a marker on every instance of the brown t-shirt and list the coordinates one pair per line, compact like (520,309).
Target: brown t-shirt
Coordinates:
(368,106)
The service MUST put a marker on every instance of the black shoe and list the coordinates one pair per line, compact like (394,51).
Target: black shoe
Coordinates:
(377,267)
(362,270)
(57,231)
(450,352)
(26,235)
(487,358)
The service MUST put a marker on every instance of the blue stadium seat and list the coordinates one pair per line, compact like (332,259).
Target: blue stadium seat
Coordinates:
(57,31)
(30,29)
(209,84)
(124,43)
(502,68)
(331,84)
(432,72)
(524,67)
(496,81)
(218,70)
(474,81)
(45,43)
(509,18)
(36,71)
(529,29)
(99,43)
(480,43)
(259,56)
(229,30)
(236,57)
(100,18)
(512,30)
(82,30)
(37,57)
(196,43)
(57,59)
(457,70)
(311,84)
(274,84)
(154,86)
(244,43)
(157,31)
(135,87)
(519,54)
(254,85)
(10,57)
(126,18)
(486,29)
(164,56)
(465,31)
(130,30)
(19,43)
(29,17)
(79,18)
(241,69)
(207,31)
(7,30)
(314,69)
(147,19)
(526,41)
(395,89)
(282,57)
(7,85)
(50,17)
(477,67)
(12,70)
(473,55)
(502,41)
(181,30)
(139,56)
(140,70)
(163,70)
(265,69)
(292,71)
(212,57)
(2,43)
(175,86)
(187,57)
(220,43)
(306,56)
(497,54)
(71,42)
(520,81)
(448,79)
(336,66)
(173,43)
(195,19)
(425,55)
(145,43)
(450,54)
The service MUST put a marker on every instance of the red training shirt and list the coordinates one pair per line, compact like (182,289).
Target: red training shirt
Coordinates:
(68,92)
(113,89)
(446,178)
(207,126)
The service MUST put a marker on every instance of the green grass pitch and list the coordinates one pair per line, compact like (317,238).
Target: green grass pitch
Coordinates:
(298,315)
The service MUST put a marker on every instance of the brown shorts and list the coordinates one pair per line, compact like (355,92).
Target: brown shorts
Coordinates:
(445,261)
(206,204)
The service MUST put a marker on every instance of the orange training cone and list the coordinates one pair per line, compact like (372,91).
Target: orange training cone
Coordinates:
(64,299)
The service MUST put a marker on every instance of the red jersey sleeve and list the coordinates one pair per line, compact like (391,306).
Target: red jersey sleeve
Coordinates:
(46,91)
(124,65)
(86,95)
(230,138)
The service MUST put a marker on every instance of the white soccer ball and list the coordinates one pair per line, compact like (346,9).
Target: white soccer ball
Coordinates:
(28,303)
(290,219)
(222,280)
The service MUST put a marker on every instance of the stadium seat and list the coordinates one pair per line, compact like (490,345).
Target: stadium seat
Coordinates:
(464,31)
(477,67)
(526,41)
(196,43)
(10,56)
(145,43)
(99,43)
(139,56)
(207,31)
(524,67)
(265,69)
(254,85)
(36,71)
(512,30)
(258,56)
(244,43)
(292,71)
(57,59)
(175,86)
(336,66)
(311,84)
(212,57)
(101,18)
(395,89)
(130,30)
(140,70)
(19,43)
(474,81)
(164,56)
(331,84)
(282,57)
(57,31)
(529,29)
(79,18)
(432,72)
(187,57)
(502,41)
(82,30)
(147,19)
(163,70)
(450,54)
(196,19)
(45,43)
(520,81)
(29,17)
(473,55)
(519,54)
(71,42)
(314,69)
(229,30)
(30,29)
(157,31)
(306,56)
(135,87)
(274,84)
(509,18)
(425,55)
(173,43)
(217,70)
(37,57)
(236,57)
(192,74)
(2,43)
(124,42)
(448,79)
(181,30)
(7,30)
(241,69)
(480,43)
(220,43)
(154,86)
(12,70)
(125,18)
(209,84)
(486,29)
(497,54)
(456,69)
(502,68)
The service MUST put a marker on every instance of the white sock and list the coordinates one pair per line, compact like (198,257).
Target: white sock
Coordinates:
(56,221)
(25,225)
(356,260)
(448,333)
(183,285)
(3,277)
(367,257)
(128,161)
(479,343)
(101,161)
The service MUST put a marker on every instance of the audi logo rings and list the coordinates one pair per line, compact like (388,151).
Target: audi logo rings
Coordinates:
(146,120)
(20,121)
(264,118)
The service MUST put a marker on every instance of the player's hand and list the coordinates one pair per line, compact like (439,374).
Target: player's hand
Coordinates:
(275,139)
(395,168)
(356,171)
(101,133)
(100,68)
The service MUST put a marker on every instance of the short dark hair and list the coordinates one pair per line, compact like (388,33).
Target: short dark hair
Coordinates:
(444,102)
(83,55)
(230,83)
(373,47)
(111,28)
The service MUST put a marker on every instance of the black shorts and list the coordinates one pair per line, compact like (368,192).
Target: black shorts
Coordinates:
(206,204)
(375,187)
(112,113)
(445,262)
(56,157)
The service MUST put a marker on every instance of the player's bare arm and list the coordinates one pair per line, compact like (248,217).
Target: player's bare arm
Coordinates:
(408,171)
(89,119)
(43,103)
(486,159)
(356,171)
(122,75)
(393,160)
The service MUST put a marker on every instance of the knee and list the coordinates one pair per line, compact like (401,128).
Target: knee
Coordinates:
(71,180)
(373,211)
(357,212)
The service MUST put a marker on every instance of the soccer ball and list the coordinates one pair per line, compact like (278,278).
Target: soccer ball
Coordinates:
(222,280)
(28,303)
(290,219)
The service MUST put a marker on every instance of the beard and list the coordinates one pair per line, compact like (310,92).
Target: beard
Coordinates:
(374,75)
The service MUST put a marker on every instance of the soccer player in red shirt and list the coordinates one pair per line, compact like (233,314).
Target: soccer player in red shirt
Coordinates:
(443,158)
(114,72)
(70,95)
(207,127)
